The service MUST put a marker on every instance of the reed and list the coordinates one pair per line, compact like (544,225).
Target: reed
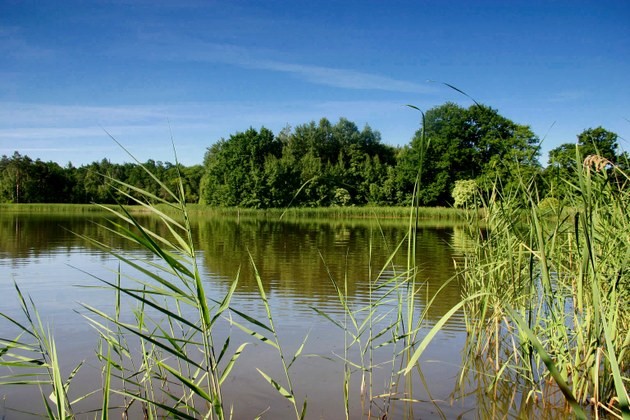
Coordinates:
(182,368)
(389,332)
(328,213)
(165,359)
(31,359)
(50,208)
(553,314)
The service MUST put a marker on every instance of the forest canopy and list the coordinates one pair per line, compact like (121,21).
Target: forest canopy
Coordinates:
(326,164)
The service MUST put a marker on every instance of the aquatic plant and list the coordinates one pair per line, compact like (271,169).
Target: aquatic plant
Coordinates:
(554,316)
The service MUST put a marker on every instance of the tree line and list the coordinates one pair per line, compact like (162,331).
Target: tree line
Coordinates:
(324,164)
(23,180)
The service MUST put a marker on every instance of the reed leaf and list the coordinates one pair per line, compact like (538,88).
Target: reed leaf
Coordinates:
(433,331)
(230,364)
(564,387)
(286,394)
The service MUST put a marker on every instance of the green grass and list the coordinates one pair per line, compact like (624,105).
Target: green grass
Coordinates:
(328,213)
(50,208)
(554,314)
(446,216)
(366,212)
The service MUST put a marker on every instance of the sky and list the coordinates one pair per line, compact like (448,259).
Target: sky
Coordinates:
(156,73)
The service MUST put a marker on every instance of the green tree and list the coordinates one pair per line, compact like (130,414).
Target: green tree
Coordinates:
(563,160)
(336,156)
(474,143)
(235,169)
(14,178)
(23,180)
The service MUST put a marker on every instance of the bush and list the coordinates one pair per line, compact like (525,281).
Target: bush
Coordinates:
(464,193)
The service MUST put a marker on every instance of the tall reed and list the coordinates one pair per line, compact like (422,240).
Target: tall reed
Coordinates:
(389,331)
(182,369)
(554,314)
(31,359)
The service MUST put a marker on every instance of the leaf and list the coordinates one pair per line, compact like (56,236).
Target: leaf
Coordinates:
(546,358)
(255,334)
(431,334)
(230,365)
(286,394)
(189,383)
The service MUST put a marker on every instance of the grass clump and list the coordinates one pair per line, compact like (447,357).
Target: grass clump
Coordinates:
(554,315)
(163,359)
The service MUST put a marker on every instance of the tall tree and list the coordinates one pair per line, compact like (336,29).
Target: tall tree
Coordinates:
(23,180)
(235,169)
(564,159)
(474,143)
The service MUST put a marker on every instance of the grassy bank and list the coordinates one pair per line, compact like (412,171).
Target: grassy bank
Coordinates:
(44,208)
(295,214)
(423,213)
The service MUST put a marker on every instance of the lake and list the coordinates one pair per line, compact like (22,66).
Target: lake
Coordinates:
(297,262)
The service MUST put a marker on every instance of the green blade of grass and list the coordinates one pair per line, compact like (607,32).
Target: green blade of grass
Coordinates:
(434,330)
(286,394)
(230,364)
(548,361)
(254,334)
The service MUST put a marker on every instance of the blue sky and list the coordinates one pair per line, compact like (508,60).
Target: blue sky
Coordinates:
(197,71)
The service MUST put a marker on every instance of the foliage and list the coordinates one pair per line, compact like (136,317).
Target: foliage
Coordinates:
(235,169)
(32,360)
(304,167)
(23,180)
(473,143)
(549,203)
(554,317)
(464,193)
(566,159)
(307,166)
(342,197)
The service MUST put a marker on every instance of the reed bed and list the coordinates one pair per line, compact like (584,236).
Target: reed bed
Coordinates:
(424,214)
(40,208)
(328,213)
(553,315)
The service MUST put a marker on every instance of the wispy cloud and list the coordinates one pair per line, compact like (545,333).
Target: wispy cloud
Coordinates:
(22,117)
(341,78)
(17,114)
(163,47)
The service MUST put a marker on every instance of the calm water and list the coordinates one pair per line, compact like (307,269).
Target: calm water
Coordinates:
(295,261)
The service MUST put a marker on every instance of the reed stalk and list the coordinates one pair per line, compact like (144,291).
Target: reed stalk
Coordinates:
(181,369)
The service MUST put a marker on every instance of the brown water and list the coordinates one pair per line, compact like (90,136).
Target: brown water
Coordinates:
(296,261)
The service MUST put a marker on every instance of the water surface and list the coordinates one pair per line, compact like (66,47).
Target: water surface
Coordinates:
(297,261)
